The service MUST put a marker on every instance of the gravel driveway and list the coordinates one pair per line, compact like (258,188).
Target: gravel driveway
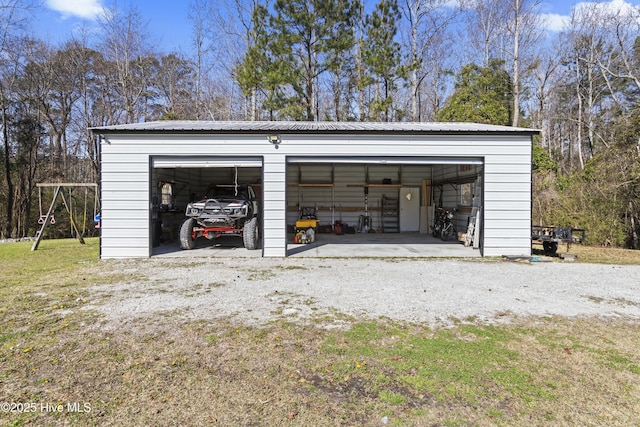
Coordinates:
(334,292)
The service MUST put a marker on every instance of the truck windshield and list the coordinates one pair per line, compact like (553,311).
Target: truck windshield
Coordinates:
(227,192)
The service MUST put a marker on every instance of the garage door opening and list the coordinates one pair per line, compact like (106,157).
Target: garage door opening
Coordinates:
(383,206)
(178,181)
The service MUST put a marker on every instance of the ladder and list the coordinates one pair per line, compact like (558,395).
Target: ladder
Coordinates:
(473,229)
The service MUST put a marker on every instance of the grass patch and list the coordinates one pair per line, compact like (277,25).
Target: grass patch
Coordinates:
(539,371)
(259,274)
(291,267)
(43,285)
(21,266)
(599,255)
(467,364)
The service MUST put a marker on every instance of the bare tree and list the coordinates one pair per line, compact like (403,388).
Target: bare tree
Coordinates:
(621,31)
(91,100)
(426,37)
(57,75)
(485,21)
(589,54)
(543,84)
(200,12)
(12,21)
(125,42)
(231,33)
(523,26)
(175,86)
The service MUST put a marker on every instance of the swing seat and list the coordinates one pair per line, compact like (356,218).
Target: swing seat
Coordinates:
(43,218)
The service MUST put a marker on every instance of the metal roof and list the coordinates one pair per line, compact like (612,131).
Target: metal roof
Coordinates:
(171,126)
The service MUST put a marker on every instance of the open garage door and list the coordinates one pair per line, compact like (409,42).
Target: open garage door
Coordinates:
(385,205)
(206,162)
(395,160)
(179,180)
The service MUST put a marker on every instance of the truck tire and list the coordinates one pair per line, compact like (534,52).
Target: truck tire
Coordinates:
(250,234)
(186,237)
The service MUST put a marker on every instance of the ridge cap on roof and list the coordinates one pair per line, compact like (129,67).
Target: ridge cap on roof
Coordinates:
(306,126)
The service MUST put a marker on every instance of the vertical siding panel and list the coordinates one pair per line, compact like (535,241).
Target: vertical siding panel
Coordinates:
(507,204)
(125,226)
(275,206)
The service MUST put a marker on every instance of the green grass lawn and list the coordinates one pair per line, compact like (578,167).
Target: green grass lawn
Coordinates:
(55,358)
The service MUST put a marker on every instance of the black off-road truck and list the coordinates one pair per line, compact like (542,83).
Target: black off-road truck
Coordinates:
(224,210)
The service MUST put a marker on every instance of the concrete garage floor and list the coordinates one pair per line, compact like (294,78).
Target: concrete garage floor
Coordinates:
(331,245)
(380,245)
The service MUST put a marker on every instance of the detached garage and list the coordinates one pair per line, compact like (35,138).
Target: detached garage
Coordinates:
(388,178)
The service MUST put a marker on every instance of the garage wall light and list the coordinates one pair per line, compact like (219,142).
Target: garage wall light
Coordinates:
(275,140)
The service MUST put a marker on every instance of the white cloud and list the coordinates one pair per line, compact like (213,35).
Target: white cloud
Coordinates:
(86,9)
(611,7)
(553,22)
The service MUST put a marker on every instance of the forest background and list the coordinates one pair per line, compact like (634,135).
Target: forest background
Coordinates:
(486,61)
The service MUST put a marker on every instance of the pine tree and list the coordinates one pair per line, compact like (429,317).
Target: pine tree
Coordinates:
(482,95)
(382,56)
(313,35)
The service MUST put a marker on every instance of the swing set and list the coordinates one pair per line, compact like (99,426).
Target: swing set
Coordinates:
(49,217)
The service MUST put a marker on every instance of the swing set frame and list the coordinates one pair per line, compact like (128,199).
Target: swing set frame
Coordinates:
(49,217)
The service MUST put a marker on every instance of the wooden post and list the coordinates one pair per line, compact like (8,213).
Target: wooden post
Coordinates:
(71,219)
(426,208)
(39,234)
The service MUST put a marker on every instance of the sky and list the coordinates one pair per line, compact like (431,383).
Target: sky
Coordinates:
(167,21)
(169,27)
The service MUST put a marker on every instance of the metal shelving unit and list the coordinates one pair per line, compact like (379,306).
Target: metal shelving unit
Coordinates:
(390,211)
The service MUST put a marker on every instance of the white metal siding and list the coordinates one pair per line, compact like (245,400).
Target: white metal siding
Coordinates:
(275,206)
(126,179)
(124,222)
(507,203)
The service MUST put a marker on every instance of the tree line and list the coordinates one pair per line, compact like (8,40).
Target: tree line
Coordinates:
(486,61)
